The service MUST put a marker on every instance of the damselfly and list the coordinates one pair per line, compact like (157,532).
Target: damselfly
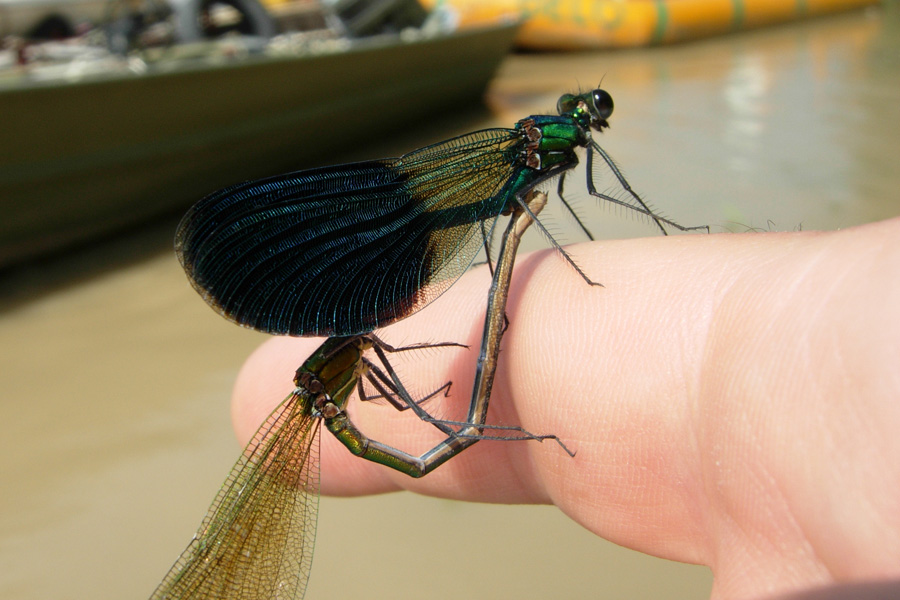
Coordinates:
(347,249)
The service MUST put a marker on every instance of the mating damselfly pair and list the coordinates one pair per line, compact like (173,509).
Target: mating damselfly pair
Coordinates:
(341,251)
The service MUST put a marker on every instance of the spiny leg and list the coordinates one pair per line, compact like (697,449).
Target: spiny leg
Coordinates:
(562,198)
(486,243)
(400,390)
(555,244)
(390,388)
(643,208)
(385,388)
(380,343)
(525,434)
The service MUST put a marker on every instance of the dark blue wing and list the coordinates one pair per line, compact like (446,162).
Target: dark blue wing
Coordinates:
(346,249)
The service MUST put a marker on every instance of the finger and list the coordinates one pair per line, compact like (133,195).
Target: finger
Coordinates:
(678,386)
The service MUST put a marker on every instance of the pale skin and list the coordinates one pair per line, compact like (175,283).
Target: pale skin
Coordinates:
(733,401)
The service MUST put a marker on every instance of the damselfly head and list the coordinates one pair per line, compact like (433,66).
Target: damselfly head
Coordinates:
(596,103)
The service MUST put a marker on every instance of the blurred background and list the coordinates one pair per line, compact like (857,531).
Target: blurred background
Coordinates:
(116,378)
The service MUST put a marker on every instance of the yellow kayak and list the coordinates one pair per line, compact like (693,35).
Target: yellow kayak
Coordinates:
(587,24)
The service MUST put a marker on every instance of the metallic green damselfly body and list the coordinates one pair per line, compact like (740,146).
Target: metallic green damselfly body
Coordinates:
(257,538)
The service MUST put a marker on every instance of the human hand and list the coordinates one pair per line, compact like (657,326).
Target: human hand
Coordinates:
(732,399)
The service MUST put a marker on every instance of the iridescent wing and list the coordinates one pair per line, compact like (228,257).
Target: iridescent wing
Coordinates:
(346,249)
